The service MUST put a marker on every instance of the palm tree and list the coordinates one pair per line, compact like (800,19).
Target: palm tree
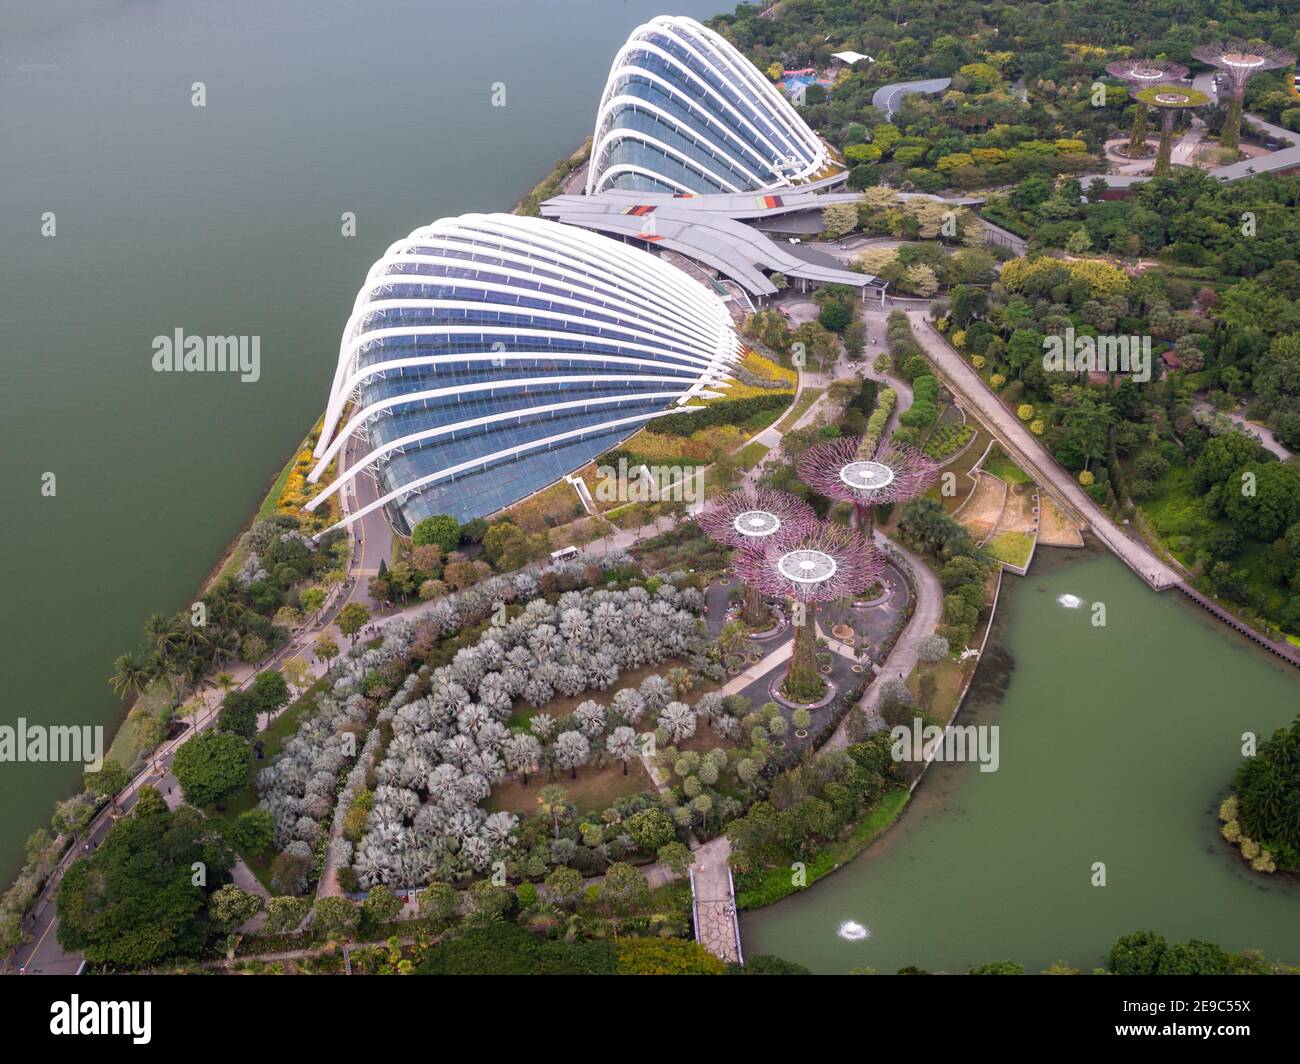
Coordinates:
(553,802)
(131,675)
(162,634)
(622,745)
(572,750)
(176,666)
(678,720)
(681,680)
(225,646)
(522,753)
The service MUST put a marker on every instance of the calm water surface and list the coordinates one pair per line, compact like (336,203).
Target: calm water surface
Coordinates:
(1117,745)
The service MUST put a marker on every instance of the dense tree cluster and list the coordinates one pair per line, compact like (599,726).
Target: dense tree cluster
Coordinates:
(137,899)
(1267,803)
(452,744)
(299,788)
(1022,100)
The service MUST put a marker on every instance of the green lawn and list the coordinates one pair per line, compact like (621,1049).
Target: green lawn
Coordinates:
(1181,521)
(268,507)
(133,740)
(751,454)
(1005,469)
(773,884)
(1014,548)
(809,396)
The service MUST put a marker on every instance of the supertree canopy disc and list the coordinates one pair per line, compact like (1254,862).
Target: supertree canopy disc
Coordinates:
(893,473)
(1170,96)
(1146,71)
(817,563)
(1242,60)
(807,566)
(867,476)
(739,518)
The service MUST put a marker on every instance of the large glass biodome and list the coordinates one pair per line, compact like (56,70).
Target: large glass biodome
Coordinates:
(489,355)
(684,112)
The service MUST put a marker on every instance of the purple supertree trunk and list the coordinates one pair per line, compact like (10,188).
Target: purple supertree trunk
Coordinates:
(742,520)
(892,473)
(819,563)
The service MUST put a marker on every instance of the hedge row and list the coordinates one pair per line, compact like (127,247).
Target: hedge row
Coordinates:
(725,412)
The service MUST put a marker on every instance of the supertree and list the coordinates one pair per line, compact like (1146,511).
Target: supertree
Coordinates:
(813,563)
(839,469)
(1168,98)
(1241,60)
(1143,73)
(740,519)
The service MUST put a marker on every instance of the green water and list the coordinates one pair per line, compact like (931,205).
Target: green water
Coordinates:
(1117,744)
(221,220)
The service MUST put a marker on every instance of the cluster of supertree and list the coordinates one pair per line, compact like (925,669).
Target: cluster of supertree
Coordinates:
(1143,74)
(784,551)
(848,470)
(1169,98)
(1241,61)
(742,521)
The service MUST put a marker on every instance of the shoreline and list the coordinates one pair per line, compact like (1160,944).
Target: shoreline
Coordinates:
(229,552)
(852,846)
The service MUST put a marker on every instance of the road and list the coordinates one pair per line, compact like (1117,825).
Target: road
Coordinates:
(887,97)
(1268,440)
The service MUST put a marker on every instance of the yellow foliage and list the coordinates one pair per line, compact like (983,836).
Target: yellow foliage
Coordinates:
(764,367)
(1102,278)
(297,492)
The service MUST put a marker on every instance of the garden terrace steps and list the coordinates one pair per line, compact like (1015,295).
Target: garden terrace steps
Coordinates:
(1028,452)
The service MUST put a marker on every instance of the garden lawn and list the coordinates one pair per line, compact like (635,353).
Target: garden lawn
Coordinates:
(1004,468)
(809,396)
(1014,548)
(751,454)
(594,790)
(773,884)
(133,739)
(951,675)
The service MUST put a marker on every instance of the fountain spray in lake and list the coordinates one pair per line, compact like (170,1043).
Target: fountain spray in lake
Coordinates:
(852,931)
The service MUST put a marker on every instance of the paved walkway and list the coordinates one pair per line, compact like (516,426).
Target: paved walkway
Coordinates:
(1268,440)
(713,899)
(905,654)
(1024,447)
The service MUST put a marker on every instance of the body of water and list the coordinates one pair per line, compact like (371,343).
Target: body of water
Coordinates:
(225,220)
(1117,745)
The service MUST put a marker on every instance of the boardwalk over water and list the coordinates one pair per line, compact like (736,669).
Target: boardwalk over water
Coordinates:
(713,902)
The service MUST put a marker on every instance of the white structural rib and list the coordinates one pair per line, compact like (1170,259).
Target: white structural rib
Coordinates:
(648,334)
(708,76)
(478,422)
(663,294)
(485,460)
